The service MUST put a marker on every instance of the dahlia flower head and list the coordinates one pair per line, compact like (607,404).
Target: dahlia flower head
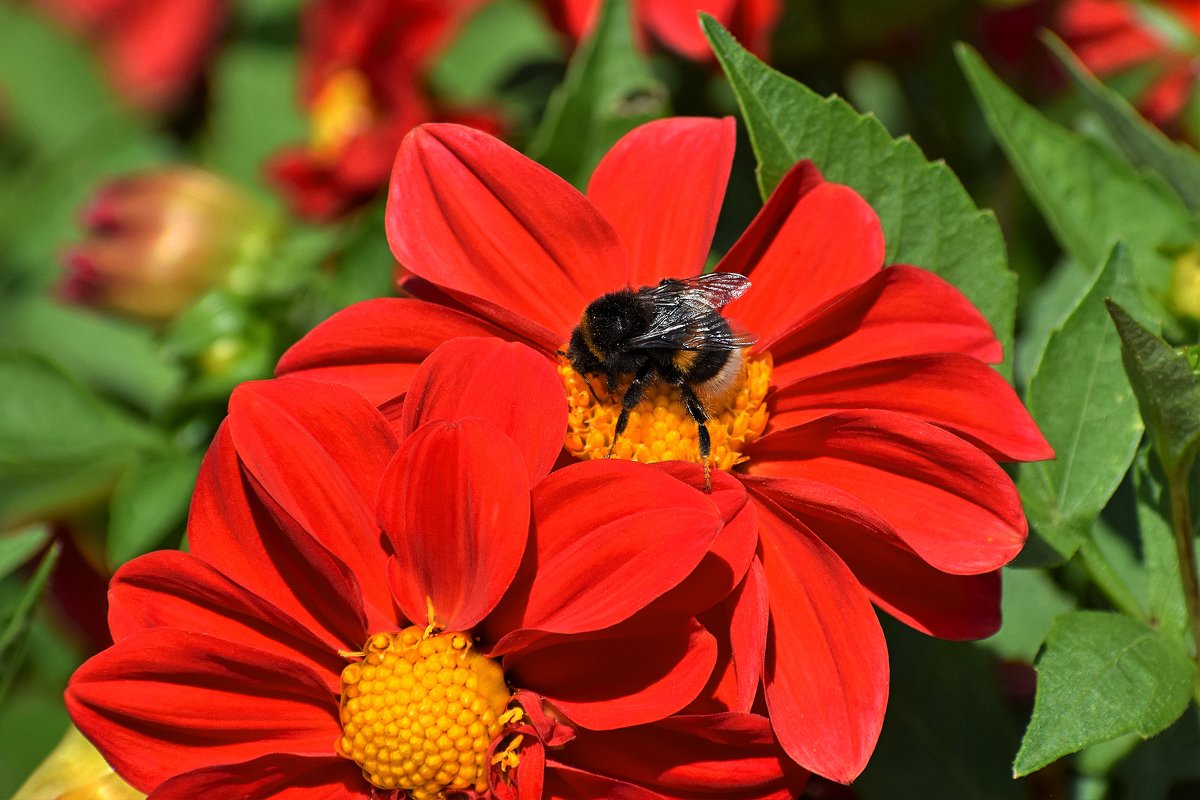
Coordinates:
(363,72)
(866,425)
(418,605)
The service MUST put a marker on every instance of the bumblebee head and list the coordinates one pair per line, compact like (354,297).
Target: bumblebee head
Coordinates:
(579,352)
(609,322)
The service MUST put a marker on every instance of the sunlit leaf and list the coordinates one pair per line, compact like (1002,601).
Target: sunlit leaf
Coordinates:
(1100,676)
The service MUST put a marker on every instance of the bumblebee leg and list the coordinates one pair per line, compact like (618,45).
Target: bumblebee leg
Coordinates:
(633,396)
(692,403)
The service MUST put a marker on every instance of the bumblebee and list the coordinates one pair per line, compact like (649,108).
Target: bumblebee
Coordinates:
(672,332)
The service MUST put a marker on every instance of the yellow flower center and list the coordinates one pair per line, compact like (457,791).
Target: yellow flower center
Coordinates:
(342,109)
(419,711)
(660,428)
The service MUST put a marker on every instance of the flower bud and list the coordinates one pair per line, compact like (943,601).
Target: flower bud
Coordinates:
(1185,283)
(75,770)
(157,240)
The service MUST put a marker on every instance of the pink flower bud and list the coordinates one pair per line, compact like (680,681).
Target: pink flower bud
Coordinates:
(156,240)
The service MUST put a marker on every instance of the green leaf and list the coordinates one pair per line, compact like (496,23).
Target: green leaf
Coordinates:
(1142,143)
(1081,400)
(47,418)
(1102,675)
(1165,605)
(17,547)
(928,218)
(496,41)
(150,502)
(1029,602)
(1168,392)
(608,90)
(59,443)
(1089,196)
(947,734)
(114,357)
(1166,761)
(16,624)
(53,88)
(255,111)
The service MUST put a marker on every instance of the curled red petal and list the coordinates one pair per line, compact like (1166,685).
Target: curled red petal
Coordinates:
(826,677)
(723,566)
(812,241)
(230,528)
(455,503)
(613,680)
(608,538)
(897,579)
(474,216)
(177,590)
(952,391)
(718,755)
(375,346)
(949,502)
(508,384)
(901,311)
(740,625)
(318,451)
(661,187)
(278,776)
(164,702)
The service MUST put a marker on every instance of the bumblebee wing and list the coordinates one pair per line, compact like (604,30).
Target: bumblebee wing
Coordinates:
(713,290)
(683,313)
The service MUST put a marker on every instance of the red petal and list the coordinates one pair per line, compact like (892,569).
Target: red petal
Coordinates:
(722,755)
(375,346)
(470,214)
(826,679)
(740,625)
(676,23)
(272,777)
(455,503)
(609,537)
(177,590)
(319,450)
(163,702)
(722,568)
(811,242)
(508,384)
(230,528)
(934,602)
(661,187)
(960,607)
(565,783)
(950,503)
(614,681)
(952,391)
(902,311)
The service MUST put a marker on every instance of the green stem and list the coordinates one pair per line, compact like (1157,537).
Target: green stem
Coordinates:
(1181,522)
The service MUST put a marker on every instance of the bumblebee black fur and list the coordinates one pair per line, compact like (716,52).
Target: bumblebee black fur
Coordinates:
(672,332)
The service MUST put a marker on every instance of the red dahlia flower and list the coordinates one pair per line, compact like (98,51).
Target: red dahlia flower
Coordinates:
(419,570)
(1110,36)
(677,24)
(154,51)
(866,423)
(362,84)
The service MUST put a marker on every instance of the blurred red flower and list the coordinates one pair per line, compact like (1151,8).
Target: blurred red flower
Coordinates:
(867,426)
(154,51)
(1111,36)
(364,63)
(417,568)
(677,24)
